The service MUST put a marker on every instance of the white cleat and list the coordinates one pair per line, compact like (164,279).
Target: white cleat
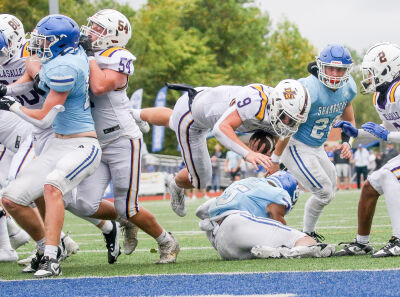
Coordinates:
(265,252)
(27,261)
(168,251)
(70,246)
(7,255)
(177,197)
(19,239)
(130,232)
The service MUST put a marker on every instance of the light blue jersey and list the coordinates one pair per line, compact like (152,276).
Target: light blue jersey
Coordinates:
(326,106)
(251,194)
(70,72)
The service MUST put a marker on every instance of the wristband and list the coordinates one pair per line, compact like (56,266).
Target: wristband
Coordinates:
(275,159)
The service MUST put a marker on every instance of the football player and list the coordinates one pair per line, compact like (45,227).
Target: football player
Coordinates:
(381,76)
(331,90)
(111,64)
(226,109)
(16,133)
(247,221)
(73,154)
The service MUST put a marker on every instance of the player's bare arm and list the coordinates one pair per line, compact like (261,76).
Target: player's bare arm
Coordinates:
(276,155)
(277,212)
(225,132)
(105,80)
(348,115)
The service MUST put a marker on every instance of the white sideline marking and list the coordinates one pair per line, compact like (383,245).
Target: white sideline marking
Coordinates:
(267,295)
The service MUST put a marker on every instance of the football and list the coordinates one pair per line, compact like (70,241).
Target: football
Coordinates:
(262,142)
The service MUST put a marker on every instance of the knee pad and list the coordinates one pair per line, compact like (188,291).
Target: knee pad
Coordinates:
(375,179)
(81,208)
(323,196)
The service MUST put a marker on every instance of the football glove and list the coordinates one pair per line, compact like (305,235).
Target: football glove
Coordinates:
(347,128)
(6,102)
(3,90)
(376,130)
(86,43)
(36,82)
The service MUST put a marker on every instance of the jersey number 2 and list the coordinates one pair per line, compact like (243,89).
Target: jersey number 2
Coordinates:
(319,127)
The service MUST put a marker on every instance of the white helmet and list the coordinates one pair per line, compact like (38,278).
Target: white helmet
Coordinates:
(13,31)
(380,66)
(290,105)
(116,29)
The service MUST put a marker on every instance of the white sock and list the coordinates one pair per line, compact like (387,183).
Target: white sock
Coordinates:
(51,251)
(164,237)
(312,211)
(363,239)
(41,244)
(4,239)
(12,227)
(391,189)
(136,114)
(107,227)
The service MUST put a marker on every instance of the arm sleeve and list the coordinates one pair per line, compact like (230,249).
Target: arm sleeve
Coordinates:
(19,89)
(43,123)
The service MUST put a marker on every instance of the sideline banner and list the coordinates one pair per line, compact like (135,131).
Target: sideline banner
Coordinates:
(159,131)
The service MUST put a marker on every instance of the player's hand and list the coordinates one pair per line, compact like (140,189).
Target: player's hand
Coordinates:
(36,82)
(86,43)
(345,149)
(347,128)
(274,168)
(376,130)
(257,158)
(6,102)
(254,143)
(3,90)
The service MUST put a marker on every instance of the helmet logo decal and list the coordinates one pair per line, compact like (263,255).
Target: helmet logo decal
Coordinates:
(289,93)
(382,57)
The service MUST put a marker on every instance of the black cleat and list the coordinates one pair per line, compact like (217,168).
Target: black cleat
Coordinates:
(48,267)
(317,237)
(112,243)
(35,262)
(354,248)
(391,249)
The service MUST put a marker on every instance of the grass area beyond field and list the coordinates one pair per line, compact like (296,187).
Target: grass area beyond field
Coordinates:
(338,223)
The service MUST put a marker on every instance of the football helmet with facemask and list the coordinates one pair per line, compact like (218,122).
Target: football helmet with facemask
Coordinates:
(380,66)
(54,35)
(14,35)
(108,28)
(289,107)
(334,56)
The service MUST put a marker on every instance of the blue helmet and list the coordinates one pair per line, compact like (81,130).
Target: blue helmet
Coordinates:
(54,35)
(338,57)
(3,48)
(286,181)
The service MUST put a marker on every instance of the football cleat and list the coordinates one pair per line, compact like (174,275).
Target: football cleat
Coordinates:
(266,252)
(130,231)
(317,237)
(33,266)
(27,261)
(71,246)
(8,255)
(177,197)
(354,248)
(112,243)
(18,239)
(168,251)
(48,267)
(391,249)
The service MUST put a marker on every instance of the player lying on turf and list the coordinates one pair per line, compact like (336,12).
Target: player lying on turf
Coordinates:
(247,221)
(226,109)
(381,74)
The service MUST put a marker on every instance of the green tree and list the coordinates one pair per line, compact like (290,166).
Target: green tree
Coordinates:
(289,53)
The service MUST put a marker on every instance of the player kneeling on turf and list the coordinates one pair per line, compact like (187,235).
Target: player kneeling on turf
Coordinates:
(247,221)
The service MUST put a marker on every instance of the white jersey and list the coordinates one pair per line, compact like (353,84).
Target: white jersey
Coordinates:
(13,130)
(388,106)
(9,73)
(110,111)
(251,103)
